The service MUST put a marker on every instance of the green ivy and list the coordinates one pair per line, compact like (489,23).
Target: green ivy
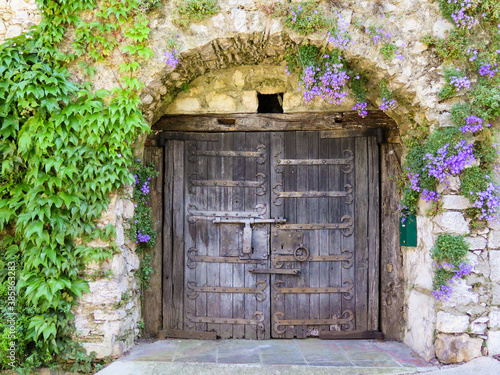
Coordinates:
(63,150)
(189,11)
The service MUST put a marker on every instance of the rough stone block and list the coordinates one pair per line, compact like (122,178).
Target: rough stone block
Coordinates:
(494,239)
(109,315)
(453,184)
(239,78)
(222,103)
(455,202)
(102,349)
(479,325)
(187,105)
(103,292)
(493,342)
(461,296)
(249,101)
(239,17)
(420,324)
(451,222)
(495,266)
(476,243)
(451,323)
(494,319)
(455,349)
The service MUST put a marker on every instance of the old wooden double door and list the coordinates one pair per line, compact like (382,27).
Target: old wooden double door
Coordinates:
(279,233)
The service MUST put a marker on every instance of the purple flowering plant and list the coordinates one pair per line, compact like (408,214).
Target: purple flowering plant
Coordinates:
(141,229)
(305,18)
(449,252)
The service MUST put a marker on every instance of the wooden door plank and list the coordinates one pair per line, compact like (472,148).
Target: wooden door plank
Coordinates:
(217,303)
(237,202)
(276,146)
(313,173)
(323,242)
(263,234)
(302,300)
(250,203)
(222,169)
(335,239)
(373,234)
(361,233)
(152,303)
(349,242)
(391,309)
(200,198)
(290,184)
(168,277)
(178,235)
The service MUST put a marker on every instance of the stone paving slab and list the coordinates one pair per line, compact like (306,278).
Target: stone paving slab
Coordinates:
(304,356)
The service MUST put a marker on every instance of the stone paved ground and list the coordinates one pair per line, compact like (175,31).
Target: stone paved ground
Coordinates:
(306,356)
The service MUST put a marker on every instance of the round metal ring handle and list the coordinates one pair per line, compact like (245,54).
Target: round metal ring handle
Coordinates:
(301,253)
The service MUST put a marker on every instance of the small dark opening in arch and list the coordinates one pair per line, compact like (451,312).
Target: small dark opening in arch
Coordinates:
(272,103)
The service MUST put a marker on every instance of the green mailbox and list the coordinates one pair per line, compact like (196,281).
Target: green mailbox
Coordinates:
(408,231)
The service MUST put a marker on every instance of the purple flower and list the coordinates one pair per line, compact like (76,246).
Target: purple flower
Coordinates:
(485,70)
(460,82)
(387,104)
(448,161)
(473,124)
(145,188)
(172,60)
(361,108)
(143,237)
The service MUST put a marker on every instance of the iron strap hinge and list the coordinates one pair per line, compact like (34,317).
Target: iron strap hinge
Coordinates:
(247,229)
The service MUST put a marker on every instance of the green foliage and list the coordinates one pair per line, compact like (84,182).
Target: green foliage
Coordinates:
(486,101)
(189,11)
(385,93)
(304,18)
(141,228)
(449,248)
(441,277)
(449,90)
(143,274)
(388,50)
(358,86)
(63,150)
(451,48)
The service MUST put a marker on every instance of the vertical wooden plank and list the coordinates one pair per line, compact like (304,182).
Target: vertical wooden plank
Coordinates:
(237,202)
(348,242)
(336,210)
(168,277)
(361,233)
(152,303)
(323,244)
(290,204)
(222,170)
(313,217)
(391,309)
(373,234)
(303,216)
(190,228)
(276,147)
(178,234)
(202,227)
(250,203)
(262,234)
(216,302)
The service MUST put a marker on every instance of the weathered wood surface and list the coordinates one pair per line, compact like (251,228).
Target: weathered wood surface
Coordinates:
(152,303)
(391,285)
(168,254)
(218,239)
(274,122)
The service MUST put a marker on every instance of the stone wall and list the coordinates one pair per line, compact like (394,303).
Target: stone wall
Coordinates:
(224,62)
(107,318)
(16,17)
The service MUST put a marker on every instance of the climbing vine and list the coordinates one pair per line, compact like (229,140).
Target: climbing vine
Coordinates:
(465,150)
(63,150)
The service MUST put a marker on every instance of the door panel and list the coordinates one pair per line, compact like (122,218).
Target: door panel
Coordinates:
(226,187)
(318,266)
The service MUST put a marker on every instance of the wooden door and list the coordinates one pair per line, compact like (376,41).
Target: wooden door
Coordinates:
(247,272)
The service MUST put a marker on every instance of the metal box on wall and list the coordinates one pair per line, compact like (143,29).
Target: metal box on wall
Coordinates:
(408,231)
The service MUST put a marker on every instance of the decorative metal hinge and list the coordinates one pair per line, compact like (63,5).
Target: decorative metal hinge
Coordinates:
(259,184)
(194,290)
(345,290)
(260,154)
(278,198)
(346,226)
(345,321)
(347,162)
(257,319)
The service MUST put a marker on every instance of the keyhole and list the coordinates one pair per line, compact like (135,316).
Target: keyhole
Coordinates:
(282,246)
